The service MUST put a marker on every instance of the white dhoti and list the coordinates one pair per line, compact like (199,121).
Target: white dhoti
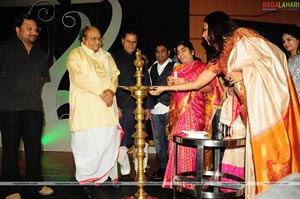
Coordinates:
(95,154)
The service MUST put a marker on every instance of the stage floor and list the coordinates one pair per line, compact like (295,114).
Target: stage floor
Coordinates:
(58,172)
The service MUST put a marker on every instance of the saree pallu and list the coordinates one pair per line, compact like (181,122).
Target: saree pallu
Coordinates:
(269,108)
(187,112)
(232,128)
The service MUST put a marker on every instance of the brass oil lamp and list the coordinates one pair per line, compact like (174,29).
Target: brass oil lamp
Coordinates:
(139,92)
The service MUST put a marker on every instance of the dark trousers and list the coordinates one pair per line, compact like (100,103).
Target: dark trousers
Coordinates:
(15,125)
(128,122)
(161,143)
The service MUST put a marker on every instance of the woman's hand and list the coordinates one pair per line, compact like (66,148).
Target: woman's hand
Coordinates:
(157,90)
(230,91)
(170,80)
(233,77)
(180,80)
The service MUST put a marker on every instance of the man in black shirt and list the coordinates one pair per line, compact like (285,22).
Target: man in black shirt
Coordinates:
(124,59)
(23,70)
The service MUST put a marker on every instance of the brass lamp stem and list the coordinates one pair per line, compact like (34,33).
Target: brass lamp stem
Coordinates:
(139,92)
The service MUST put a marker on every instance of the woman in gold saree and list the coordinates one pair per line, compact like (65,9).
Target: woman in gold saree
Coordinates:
(268,105)
(187,109)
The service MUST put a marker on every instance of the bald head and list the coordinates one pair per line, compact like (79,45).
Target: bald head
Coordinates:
(91,38)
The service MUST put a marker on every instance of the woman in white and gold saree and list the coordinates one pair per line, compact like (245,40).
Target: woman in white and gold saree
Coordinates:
(265,96)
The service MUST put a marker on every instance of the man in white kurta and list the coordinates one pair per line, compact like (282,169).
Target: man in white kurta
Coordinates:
(93,112)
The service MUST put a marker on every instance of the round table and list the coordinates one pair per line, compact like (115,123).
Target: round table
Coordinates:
(206,184)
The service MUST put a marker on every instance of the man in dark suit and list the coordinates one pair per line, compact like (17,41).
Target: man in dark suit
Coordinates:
(124,59)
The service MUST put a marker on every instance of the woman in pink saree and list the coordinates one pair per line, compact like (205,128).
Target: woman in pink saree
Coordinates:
(188,109)
(264,98)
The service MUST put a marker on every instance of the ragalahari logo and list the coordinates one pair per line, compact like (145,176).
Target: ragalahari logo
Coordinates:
(280,5)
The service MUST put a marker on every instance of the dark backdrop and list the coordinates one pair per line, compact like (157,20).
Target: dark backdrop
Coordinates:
(272,31)
(153,19)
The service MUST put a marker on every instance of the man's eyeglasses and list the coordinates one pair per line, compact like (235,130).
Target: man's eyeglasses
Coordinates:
(130,42)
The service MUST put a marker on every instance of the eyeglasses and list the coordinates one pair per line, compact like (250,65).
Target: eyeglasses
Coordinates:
(131,42)
(94,39)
